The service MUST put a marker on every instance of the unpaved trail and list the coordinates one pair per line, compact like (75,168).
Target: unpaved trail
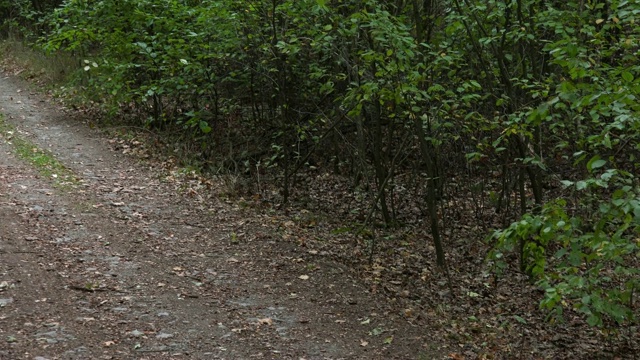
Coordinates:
(123,266)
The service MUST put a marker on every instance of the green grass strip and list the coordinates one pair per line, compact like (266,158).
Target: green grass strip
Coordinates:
(43,161)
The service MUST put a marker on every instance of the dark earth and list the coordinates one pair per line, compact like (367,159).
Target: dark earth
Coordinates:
(127,262)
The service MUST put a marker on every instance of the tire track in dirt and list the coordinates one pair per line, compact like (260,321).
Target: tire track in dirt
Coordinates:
(131,269)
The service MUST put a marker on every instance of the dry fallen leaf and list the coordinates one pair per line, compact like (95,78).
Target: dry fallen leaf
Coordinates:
(108,343)
(364,343)
(265,321)
(304,277)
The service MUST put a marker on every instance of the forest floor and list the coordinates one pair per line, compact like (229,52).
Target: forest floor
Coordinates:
(108,254)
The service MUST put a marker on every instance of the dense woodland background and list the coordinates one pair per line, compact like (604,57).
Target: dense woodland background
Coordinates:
(457,129)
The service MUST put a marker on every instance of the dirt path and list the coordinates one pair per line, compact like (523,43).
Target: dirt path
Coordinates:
(122,266)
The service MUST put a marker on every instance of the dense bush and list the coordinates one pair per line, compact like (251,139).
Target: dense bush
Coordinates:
(25,18)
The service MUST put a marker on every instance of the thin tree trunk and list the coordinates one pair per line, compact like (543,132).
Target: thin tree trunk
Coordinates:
(427,156)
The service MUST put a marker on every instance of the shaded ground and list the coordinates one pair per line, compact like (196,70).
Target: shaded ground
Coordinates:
(122,265)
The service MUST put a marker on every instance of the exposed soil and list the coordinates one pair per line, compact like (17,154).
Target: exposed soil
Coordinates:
(123,265)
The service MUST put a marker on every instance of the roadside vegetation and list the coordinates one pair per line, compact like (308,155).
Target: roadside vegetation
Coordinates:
(477,161)
(42,160)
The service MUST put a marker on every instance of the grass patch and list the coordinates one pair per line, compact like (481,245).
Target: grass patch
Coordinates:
(43,161)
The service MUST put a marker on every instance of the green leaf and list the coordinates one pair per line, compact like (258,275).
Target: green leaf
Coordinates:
(598,164)
(520,319)
(567,183)
(560,253)
(204,127)
(627,76)
(593,320)
(595,163)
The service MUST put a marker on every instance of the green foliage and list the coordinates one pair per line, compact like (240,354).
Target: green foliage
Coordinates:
(580,248)
(388,71)
(24,18)
(582,263)
(14,14)
(167,67)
